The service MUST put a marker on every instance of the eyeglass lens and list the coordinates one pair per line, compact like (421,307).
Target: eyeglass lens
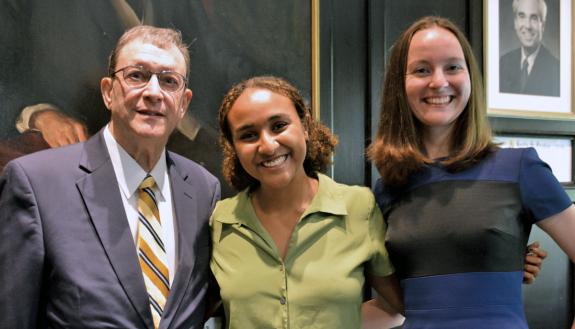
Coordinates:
(169,81)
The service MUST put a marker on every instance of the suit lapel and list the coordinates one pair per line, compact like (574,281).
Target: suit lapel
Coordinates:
(184,208)
(100,192)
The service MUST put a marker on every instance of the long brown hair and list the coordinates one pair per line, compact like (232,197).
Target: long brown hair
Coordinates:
(320,145)
(397,148)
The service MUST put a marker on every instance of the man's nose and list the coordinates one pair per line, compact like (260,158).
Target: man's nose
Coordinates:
(152,90)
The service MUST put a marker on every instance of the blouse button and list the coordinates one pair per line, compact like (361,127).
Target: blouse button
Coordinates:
(282,300)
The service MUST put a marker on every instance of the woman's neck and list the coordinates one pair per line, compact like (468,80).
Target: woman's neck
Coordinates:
(437,142)
(279,210)
(297,196)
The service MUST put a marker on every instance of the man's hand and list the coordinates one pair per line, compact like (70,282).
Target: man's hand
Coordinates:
(533,261)
(57,128)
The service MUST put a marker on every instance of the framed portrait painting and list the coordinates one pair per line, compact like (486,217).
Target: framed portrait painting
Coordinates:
(55,52)
(528,53)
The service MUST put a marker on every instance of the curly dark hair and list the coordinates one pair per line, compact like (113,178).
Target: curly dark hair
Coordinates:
(320,145)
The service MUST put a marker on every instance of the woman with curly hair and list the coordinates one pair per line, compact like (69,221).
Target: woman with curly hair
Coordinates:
(294,248)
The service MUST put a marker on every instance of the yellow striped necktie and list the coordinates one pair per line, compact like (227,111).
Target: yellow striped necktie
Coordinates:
(151,250)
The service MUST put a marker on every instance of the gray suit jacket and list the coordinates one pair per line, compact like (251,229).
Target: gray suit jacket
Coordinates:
(67,257)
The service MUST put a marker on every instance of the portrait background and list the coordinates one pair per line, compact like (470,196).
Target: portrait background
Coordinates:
(55,51)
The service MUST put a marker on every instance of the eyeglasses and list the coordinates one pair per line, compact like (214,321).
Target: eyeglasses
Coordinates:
(137,77)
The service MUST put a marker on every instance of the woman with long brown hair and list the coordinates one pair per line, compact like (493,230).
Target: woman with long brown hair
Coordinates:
(458,208)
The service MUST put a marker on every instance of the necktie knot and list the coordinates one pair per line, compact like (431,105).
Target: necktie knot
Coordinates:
(148,182)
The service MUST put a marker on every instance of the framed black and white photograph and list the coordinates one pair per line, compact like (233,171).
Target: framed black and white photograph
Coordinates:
(528,48)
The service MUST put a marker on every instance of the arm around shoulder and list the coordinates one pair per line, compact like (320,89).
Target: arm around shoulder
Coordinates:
(561,227)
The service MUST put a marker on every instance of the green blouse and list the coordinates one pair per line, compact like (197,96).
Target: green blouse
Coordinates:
(319,283)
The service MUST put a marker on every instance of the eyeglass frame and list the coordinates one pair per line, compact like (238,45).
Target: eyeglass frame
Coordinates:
(151,73)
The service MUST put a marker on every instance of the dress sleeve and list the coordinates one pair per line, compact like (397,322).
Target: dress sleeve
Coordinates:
(541,193)
(386,196)
(380,264)
(382,198)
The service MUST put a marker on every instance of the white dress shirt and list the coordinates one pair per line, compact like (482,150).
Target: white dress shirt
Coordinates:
(129,175)
(530,59)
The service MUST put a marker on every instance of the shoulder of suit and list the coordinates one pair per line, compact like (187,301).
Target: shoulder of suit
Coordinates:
(50,165)
(60,155)
(189,166)
(512,55)
(546,54)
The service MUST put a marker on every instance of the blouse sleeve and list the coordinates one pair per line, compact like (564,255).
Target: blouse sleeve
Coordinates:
(380,264)
(541,193)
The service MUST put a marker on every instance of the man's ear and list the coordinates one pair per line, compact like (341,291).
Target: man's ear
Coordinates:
(186,99)
(106,90)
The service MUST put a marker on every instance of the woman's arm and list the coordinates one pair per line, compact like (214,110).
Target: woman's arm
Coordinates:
(388,288)
(378,314)
(561,227)
(384,311)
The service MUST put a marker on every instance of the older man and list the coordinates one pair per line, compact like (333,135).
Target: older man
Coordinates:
(112,232)
(530,69)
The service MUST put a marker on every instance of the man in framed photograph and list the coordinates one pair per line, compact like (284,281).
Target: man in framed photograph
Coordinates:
(530,69)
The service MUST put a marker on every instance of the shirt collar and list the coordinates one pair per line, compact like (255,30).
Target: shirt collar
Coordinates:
(129,173)
(328,199)
(530,58)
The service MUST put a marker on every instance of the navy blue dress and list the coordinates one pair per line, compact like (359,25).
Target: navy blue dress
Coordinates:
(458,240)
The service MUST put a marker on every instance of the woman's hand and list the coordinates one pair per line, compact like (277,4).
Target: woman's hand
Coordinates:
(533,261)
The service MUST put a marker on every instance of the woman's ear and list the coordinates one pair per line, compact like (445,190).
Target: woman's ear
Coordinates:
(307,126)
